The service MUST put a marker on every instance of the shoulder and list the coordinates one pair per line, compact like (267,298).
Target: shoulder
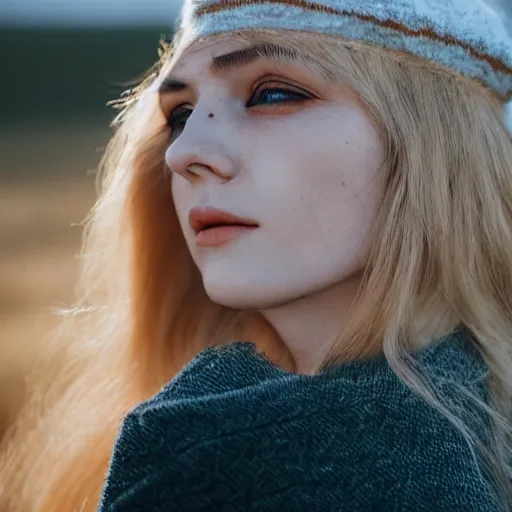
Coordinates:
(234,426)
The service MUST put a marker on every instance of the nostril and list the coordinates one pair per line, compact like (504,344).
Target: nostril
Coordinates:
(204,171)
(197,169)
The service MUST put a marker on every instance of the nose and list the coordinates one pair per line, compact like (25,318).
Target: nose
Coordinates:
(200,152)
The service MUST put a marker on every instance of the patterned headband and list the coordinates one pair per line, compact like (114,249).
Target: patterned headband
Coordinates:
(463,35)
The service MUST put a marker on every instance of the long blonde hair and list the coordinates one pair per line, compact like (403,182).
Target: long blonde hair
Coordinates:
(441,250)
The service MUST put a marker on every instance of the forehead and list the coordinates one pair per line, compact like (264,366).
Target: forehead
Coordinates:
(223,52)
(200,54)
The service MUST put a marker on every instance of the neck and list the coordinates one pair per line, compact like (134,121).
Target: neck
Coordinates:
(310,325)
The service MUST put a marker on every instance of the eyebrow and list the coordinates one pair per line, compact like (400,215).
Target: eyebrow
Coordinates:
(245,56)
(236,59)
(170,85)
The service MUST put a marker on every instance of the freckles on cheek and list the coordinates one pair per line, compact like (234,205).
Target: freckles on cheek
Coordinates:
(359,162)
(327,169)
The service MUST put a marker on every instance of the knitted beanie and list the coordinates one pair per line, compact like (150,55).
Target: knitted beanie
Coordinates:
(466,36)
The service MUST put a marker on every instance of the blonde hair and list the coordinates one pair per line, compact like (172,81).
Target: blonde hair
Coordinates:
(441,254)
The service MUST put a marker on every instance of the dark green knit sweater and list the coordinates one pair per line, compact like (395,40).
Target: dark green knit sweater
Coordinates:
(233,432)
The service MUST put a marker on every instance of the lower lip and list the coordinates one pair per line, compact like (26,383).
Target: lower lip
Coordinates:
(221,235)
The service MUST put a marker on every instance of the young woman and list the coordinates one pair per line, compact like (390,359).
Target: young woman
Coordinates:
(330,183)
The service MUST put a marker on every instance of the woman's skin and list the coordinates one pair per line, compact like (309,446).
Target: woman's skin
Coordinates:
(271,140)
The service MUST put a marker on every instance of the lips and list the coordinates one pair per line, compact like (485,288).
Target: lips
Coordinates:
(215,228)
(207,218)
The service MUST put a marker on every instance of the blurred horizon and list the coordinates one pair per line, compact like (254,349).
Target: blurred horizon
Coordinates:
(53,131)
(60,81)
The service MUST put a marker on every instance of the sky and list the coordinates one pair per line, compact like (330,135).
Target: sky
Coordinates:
(88,12)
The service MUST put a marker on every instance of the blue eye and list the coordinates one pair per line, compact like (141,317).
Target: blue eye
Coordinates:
(275,95)
(263,96)
(178,119)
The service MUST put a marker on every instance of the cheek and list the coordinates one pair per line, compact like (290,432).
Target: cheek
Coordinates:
(322,195)
(180,192)
(345,155)
(326,177)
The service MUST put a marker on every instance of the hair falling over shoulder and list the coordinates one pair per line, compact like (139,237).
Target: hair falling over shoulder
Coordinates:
(441,253)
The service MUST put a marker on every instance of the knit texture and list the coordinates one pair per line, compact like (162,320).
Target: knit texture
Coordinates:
(234,432)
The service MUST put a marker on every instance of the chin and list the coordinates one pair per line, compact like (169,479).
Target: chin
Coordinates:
(247,296)
(237,299)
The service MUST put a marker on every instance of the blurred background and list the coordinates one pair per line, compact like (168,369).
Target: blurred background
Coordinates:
(62,61)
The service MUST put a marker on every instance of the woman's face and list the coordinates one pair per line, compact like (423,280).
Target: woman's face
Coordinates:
(269,140)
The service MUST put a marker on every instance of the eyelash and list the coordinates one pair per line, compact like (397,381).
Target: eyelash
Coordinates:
(291,96)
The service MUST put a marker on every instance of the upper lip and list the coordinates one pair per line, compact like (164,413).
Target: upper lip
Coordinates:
(202,218)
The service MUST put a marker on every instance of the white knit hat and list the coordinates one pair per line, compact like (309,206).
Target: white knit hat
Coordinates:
(463,35)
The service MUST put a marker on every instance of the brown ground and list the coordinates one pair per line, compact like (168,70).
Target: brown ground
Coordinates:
(38,241)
